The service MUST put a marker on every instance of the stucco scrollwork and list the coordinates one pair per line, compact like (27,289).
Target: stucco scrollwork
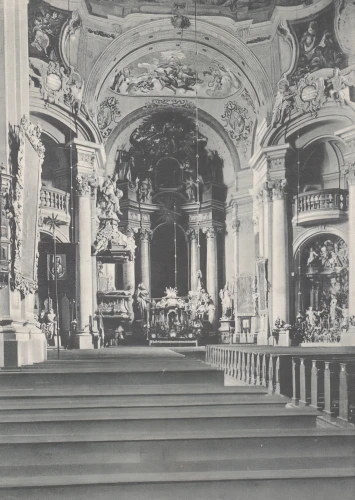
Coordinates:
(16,205)
(238,124)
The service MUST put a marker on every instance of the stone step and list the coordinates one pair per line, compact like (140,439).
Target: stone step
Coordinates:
(62,391)
(89,377)
(249,401)
(178,447)
(308,481)
(153,419)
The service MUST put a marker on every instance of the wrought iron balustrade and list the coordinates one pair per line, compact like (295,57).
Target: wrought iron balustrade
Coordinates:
(55,199)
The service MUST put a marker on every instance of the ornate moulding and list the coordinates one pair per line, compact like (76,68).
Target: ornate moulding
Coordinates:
(32,132)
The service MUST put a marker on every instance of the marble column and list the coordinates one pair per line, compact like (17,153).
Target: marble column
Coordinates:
(194,258)
(235,227)
(129,282)
(279,284)
(145,236)
(93,259)
(212,271)
(84,288)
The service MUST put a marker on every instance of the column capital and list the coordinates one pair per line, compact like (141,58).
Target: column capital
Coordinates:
(192,233)
(279,189)
(128,231)
(145,234)
(236,224)
(85,185)
(212,231)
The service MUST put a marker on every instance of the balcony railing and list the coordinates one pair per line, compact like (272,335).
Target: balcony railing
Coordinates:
(55,199)
(315,206)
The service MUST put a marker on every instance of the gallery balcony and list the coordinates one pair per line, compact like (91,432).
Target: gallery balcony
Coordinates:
(57,202)
(314,207)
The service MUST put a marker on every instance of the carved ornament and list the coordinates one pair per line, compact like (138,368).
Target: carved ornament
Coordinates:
(279,189)
(33,132)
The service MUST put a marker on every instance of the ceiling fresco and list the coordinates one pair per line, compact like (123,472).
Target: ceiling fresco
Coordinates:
(260,10)
(317,45)
(176,73)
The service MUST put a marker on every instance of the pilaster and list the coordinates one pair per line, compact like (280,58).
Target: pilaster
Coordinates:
(348,136)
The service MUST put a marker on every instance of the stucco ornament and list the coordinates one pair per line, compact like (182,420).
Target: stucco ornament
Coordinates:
(238,124)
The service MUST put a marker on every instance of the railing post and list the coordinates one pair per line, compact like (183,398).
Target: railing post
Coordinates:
(277,376)
(236,360)
(242,375)
(247,371)
(271,375)
(314,384)
(303,395)
(343,393)
(263,371)
(239,367)
(252,369)
(258,381)
(295,382)
(327,389)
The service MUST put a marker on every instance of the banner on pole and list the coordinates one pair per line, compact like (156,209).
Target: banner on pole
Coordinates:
(57,263)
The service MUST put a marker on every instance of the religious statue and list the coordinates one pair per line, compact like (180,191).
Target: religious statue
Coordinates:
(143,300)
(51,318)
(226,300)
(109,199)
(284,103)
(190,188)
(145,190)
(124,164)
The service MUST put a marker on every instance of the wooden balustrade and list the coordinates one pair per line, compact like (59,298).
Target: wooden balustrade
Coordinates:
(323,381)
(327,384)
(252,368)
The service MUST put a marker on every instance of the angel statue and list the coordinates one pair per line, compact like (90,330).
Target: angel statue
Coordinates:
(340,84)
(109,199)
(226,300)
(190,188)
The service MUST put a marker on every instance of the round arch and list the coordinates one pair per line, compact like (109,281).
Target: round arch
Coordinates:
(204,117)
(232,48)
(302,128)
(301,241)
(55,117)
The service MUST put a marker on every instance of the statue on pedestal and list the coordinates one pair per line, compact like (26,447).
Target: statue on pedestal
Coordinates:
(227,302)
(143,301)
(109,199)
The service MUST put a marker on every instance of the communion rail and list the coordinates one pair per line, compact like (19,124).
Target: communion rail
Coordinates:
(323,378)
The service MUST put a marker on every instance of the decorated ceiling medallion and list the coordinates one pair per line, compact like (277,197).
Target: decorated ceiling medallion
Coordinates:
(176,73)
(238,124)
(311,92)
(108,115)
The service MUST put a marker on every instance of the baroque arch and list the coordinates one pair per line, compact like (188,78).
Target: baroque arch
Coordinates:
(229,48)
(185,109)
